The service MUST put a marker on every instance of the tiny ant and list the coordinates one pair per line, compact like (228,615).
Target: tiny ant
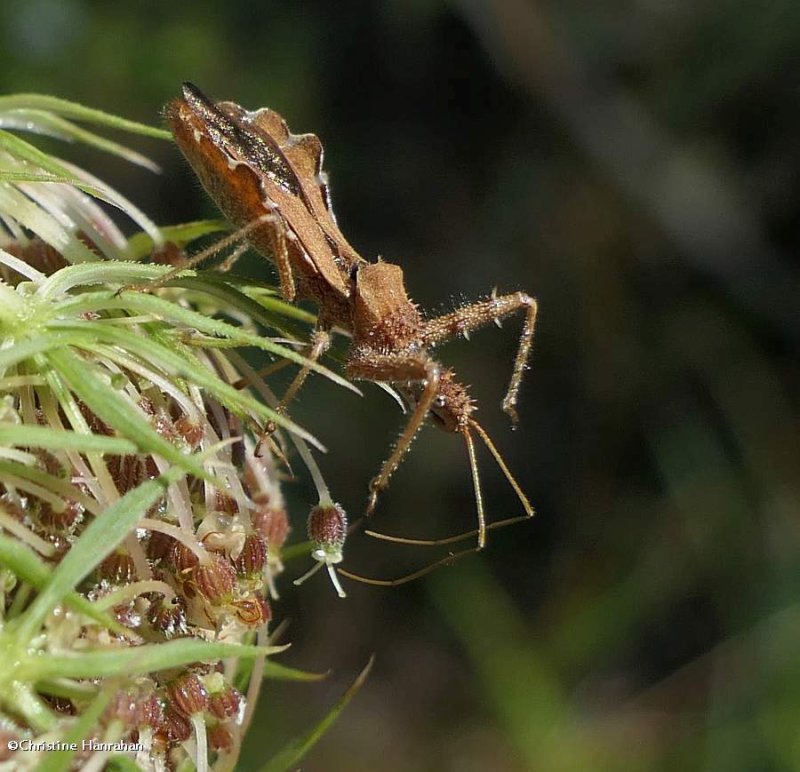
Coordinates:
(271,185)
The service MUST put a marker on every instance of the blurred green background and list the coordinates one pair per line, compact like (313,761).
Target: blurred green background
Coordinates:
(635,166)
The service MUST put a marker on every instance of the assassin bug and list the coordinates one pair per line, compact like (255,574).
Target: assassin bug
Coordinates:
(270,183)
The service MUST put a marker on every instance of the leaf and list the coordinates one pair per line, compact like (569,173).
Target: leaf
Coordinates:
(25,151)
(117,412)
(176,364)
(50,439)
(99,539)
(294,752)
(30,568)
(55,126)
(274,671)
(140,245)
(45,341)
(62,488)
(138,660)
(61,760)
(45,225)
(79,112)
(145,303)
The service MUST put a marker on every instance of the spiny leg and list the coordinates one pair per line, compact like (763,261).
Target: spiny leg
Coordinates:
(403,443)
(477,315)
(279,251)
(233,258)
(210,251)
(398,368)
(320,343)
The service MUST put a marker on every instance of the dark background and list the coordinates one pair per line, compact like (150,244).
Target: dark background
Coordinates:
(634,165)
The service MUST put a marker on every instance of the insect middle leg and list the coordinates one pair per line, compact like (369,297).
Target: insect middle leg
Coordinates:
(320,343)
(477,315)
(397,368)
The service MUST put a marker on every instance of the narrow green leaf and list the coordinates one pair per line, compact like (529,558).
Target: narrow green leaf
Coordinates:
(25,151)
(56,126)
(174,363)
(274,671)
(120,763)
(57,485)
(61,760)
(98,273)
(42,343)
(45,225)
(117,412)
(294,752)
(130,661)
(78,112)
(98,541)
(146,303)
(29,567)
(140,245)
(52,178)
(19,435)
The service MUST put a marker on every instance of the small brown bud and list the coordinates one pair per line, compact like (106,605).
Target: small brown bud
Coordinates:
(214,580)
(181,558)
(327,527)
(152,712)
(253,556)
(168,617)
(176,726)
(159,546)
(169,253)
(118,568)
(191,432)
(7,735)
(225,704)
(126,471)
(226,504)
(61,705)
(272,524)
(61,521)
(188,695)
(164,426)
(220,738)
(127,708)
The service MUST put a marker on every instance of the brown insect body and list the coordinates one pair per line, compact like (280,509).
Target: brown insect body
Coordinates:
(270,181)
(252,167)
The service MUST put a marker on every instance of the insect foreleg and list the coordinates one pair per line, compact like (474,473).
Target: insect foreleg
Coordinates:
(398,368)
(476,315)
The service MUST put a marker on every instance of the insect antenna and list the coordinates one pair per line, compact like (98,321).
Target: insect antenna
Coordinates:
(476,486)
(483,527)
(523,499)
(447,539)
(445,561)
